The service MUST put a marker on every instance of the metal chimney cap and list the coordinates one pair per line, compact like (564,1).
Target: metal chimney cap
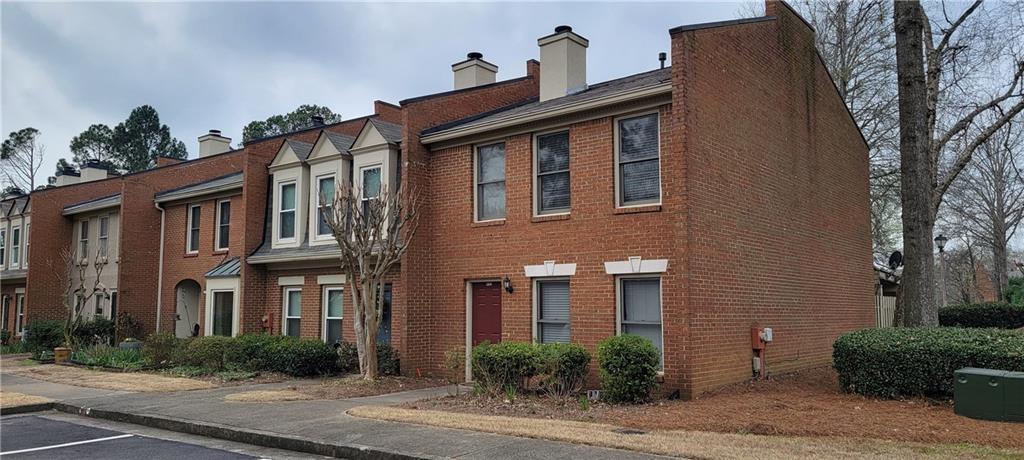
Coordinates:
(215,132)
(562,29)
(475,55)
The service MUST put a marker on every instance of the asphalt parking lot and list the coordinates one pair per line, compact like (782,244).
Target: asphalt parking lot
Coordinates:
(33,436)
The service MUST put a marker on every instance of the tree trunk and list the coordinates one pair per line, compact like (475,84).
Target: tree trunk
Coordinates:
(916,185)
(1000,271)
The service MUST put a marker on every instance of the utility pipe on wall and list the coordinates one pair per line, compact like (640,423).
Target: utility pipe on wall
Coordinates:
(160,269)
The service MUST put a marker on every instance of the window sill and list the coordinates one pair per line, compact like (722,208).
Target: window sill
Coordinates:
(220,251)
(489,223)
(549,217)
(639,209)
(191,254)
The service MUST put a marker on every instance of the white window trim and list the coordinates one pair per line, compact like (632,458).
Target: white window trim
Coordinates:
(83,226)
(476,181)
(661,307)
(636,265)
(25,234)
(211,295)
(188,229)
(618,184)
(16,248)
(103,242)
(3,247)
(291,280)
(315,199)
(536,304)
(330,279)
(19,313)
(284,310)
(325,298)
(218,222)
(549,268)
(279,210)
(536,175)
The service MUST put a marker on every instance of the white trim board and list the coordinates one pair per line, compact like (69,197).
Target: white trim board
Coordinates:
(291,281)
(635,265)
(549,268)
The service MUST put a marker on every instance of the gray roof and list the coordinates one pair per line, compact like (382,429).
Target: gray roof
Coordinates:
(267,254)
(13,206)
(534,106)
(218,184)
(228,268)
(301,149)
(340,141)
(93,205)
(391,132)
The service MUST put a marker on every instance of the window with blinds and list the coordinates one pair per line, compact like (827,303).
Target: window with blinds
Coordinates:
(333,300)
(640,300)
(292,311)
(638,160)
(490,182)
(553,311)
(552,187)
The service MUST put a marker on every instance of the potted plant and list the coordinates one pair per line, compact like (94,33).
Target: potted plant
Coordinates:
(130,343)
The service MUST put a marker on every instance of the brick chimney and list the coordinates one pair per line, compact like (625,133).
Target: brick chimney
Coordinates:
(563,63)
(213,143)
(474,71)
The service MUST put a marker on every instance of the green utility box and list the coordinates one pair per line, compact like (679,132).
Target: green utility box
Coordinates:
(989,394)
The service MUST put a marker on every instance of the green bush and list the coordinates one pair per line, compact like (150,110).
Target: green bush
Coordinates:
(1015,291)
(504,365)
(5,337)
(99,331)
(254,351)
(164,348)
(629,368)
(208,351)
(1002,315)
(302,357)
(44,335)
(564,367)
(13,348)
(108,356)
(895,362)
(348,358)
(388,362)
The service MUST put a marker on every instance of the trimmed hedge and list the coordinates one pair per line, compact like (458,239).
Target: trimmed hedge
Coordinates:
(564,367)
(1002,315)
(896,362)
(629,368)
(498,367)
(163,348)
(44,335)
(262,352)
(99,331)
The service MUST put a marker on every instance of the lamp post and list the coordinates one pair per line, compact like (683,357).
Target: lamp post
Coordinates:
(940,241)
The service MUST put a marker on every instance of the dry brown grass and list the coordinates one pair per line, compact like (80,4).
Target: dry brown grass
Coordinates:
(267,396)
(109,380)
(690,444)
(9,399)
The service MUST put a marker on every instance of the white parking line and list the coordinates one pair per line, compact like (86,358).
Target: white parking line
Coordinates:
(58,446)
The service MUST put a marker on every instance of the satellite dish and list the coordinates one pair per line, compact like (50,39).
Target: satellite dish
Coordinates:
(895,260)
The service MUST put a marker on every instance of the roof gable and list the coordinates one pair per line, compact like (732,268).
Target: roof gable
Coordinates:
(330,144)
(292,152)
(376,132)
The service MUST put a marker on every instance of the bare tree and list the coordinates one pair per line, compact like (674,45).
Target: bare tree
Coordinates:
(959,81)
(21,156)
(77,293)
(989,197)
(373,229)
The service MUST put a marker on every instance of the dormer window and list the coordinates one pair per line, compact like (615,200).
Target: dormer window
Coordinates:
(371,186)
(3,247)
(286,212)
(15,247)
(325,205)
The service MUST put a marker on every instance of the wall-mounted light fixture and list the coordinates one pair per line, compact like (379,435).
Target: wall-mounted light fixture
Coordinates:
(507,283)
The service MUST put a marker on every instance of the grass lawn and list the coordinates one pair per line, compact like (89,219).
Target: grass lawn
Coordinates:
(807,404)
(121,381)
(9,399)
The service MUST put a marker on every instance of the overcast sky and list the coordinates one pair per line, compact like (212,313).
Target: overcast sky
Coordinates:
(220,65)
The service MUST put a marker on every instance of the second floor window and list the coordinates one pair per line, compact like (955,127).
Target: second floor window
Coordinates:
(15,247)
(637,157)
(3,247)
(371,187)
(286,212)
(552,173)
(223,225)
(104,233)
(194,216)
(325,205)
(490,182)
(83,239)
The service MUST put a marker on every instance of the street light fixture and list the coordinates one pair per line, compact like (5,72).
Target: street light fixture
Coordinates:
(940,241)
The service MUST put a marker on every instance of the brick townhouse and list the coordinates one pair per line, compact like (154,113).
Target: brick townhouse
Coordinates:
(15,223)
(686,204)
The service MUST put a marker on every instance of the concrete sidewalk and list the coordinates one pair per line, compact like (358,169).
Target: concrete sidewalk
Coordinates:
(316,427)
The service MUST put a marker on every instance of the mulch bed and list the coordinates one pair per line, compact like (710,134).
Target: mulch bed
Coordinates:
(353,386)
(807,403)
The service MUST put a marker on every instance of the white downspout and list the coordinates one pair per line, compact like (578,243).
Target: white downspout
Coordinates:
(160,269)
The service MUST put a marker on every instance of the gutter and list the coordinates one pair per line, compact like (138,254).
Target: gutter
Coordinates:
(160,269)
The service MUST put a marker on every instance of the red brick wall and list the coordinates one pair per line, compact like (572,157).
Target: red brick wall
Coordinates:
(777,195)
(418,319)
(7,290)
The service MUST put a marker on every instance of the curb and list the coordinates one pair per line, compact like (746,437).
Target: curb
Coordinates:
(254,437)
(24,409)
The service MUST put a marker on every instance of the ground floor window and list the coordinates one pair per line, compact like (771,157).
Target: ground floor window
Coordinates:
(223,312)
(552,298)
(292,311)
(640,309)
(333,299)
(19,320)
(113,305)
(5,312)
(384,328)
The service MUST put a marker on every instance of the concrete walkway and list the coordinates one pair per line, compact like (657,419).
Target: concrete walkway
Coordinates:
(319,427)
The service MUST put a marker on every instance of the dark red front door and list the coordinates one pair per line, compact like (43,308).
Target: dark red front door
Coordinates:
(486,312)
